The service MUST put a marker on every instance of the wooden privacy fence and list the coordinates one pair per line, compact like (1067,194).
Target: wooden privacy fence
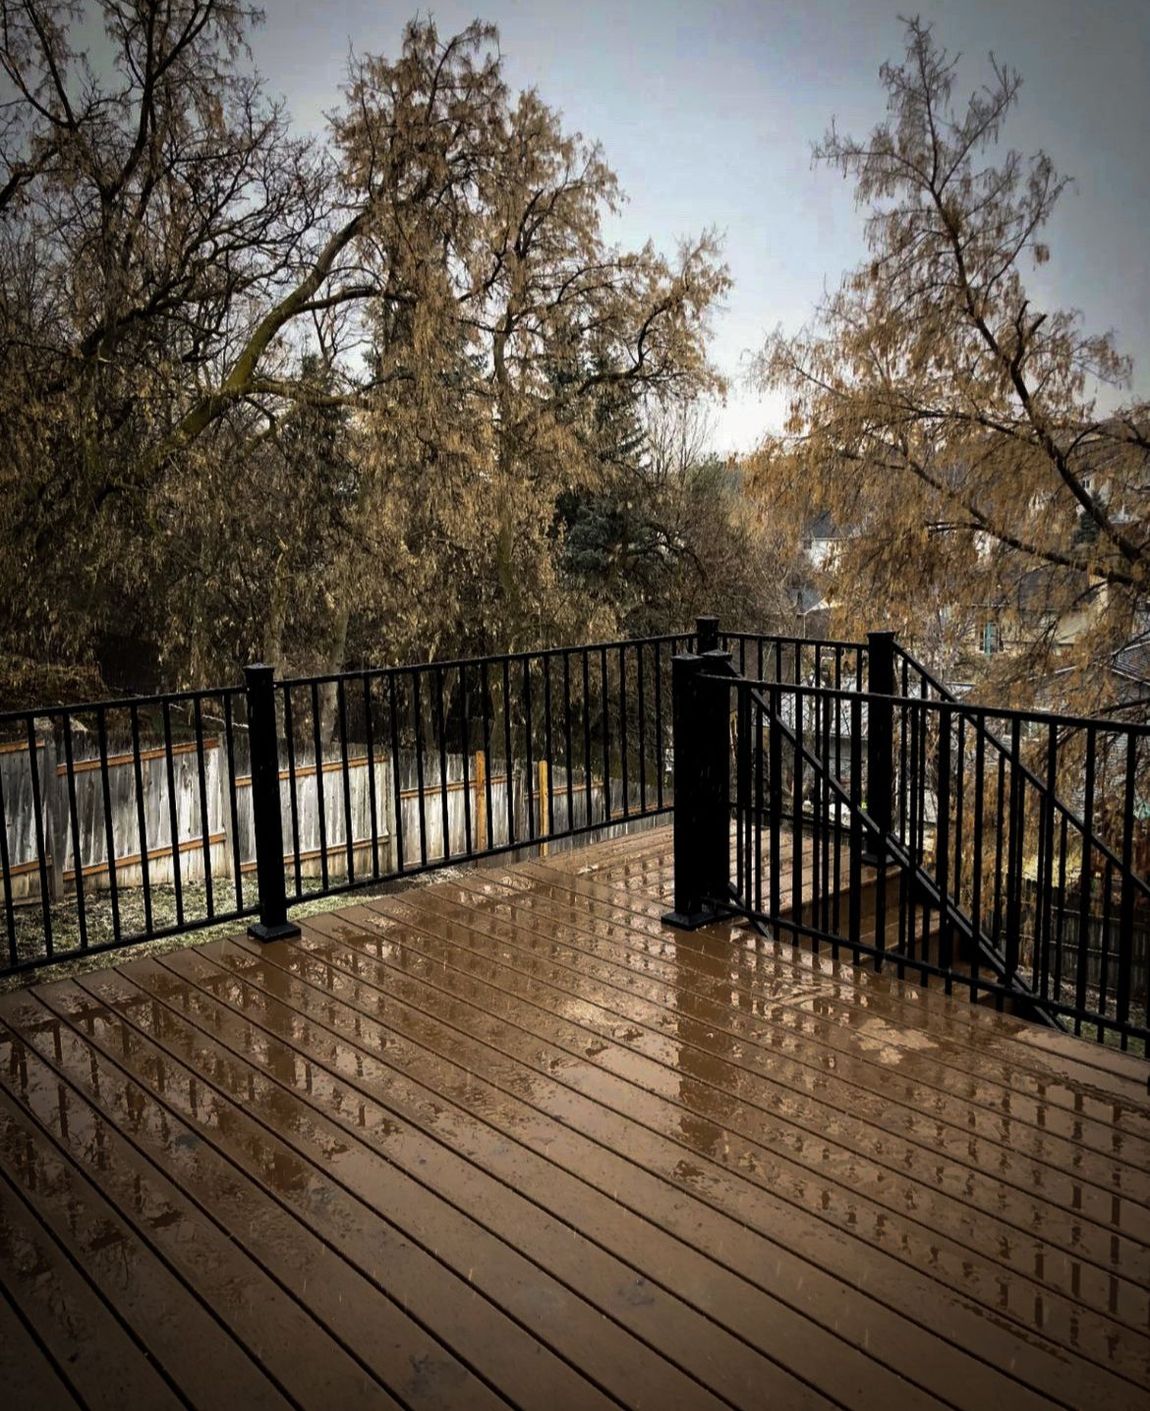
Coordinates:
(211,842)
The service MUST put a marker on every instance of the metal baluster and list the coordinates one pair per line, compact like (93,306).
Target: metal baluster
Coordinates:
(1084,882)
(420,783)
(742,793)
(606,734)
(293,794)
(942,850)
(372,803)
(659,755)
(797,814)
(924,757)
(904,828)
(775,786)
(488,715)
(441,734)
(1000,796)
(816,835)
(568,761)
(917,770)
(1015,855)
(837,822)
(623,725)
(396,770)
(205,822)
(642,724)
(756,901)
(1104,943)
(854,910)
(345,773)
(233,803)
(320,792)
(109,832)
(959,806)
(1043,912)
(465,750)
(41,850)
(509,770)
(547,744)
(7,880)
(529,757)
(1126,923)
(976,859)
(74,817)
(173,816)
(1060,947)
(141,818)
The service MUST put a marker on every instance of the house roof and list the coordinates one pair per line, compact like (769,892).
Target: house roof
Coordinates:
(1134,661)
(823,526)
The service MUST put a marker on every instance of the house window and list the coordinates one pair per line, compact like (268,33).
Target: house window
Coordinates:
(991,640)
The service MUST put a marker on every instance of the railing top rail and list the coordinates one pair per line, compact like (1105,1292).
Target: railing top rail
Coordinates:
(203,693)
(159,698)
(454,663)
(952,704)
(832,643)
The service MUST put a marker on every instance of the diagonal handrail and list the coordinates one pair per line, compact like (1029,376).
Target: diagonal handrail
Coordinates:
(977,718)
(890,846)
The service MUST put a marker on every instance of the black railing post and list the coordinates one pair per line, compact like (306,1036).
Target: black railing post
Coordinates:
(706,634)
(880,737)
(273,924)
(701,735)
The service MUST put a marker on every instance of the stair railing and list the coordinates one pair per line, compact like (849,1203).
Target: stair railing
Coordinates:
(902,827)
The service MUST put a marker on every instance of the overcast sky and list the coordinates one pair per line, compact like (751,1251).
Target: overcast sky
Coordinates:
(707,112)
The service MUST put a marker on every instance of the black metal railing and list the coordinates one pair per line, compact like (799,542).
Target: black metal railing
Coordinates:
(1001,853)
(118,822)
(130,820)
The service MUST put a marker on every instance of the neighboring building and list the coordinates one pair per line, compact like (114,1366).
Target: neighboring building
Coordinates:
(1049,603)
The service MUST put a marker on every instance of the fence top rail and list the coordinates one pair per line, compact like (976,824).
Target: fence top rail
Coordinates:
(833,644)
(204,693)
(498,658)
(981,713)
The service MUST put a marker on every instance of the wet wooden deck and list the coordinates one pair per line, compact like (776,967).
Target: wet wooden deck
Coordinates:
(506,1140)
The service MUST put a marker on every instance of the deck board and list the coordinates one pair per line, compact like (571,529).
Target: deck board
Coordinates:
(505,1139)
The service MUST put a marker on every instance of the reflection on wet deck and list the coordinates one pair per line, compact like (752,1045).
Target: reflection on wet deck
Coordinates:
(505,1139)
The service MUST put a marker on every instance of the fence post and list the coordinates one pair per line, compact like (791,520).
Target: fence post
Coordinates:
(479,774)
(701,713)
(880,738)
(273,924)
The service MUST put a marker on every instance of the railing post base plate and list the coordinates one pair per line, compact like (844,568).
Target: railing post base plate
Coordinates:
(694,920)
(284,932)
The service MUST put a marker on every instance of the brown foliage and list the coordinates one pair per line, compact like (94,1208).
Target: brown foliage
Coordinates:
(951,427)
(316,404)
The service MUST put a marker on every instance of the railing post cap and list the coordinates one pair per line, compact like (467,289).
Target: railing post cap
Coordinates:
(707,631)
(258,670)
